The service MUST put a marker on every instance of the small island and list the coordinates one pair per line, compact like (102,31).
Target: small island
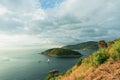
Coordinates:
(60,52)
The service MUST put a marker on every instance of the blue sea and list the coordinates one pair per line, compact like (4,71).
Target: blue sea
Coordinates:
(31,64)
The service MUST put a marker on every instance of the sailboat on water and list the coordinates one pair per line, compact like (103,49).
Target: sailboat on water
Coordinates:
(48,60)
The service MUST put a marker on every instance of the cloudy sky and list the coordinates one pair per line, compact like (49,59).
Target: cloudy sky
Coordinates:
(51,23)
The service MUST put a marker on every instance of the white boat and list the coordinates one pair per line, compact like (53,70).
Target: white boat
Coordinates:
(48,60)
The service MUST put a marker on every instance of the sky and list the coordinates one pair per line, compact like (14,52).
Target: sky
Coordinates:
(54,23)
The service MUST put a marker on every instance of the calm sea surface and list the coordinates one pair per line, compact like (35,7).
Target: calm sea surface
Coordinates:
(29,65)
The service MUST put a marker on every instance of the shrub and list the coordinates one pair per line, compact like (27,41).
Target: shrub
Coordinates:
(115,56)
(86,60)
(100,57)
(116,48)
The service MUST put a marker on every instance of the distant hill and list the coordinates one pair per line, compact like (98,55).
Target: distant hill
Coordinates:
(90,45)
(59,52)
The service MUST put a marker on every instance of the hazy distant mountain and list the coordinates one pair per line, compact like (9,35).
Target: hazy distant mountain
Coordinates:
(90,45)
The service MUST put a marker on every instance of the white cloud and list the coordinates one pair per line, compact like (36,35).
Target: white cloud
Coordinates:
(3,10)
(24,41)
(73,21)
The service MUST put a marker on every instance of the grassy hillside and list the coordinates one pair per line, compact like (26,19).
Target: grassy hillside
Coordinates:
(59,52)
(97,65)
(90,45)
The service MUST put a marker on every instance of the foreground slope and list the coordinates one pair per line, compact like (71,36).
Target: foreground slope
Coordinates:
(101,65)
(106,71)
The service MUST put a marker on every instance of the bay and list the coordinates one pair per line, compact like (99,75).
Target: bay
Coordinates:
(31,65)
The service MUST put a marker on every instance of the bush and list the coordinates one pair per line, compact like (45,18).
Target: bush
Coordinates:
(115,56)
(87,60)
(116,48)
(100,57)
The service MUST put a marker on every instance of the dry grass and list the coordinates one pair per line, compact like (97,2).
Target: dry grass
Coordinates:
(80,71)
(107,71)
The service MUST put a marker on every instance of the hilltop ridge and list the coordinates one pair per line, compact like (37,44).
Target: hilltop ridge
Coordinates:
(90,45)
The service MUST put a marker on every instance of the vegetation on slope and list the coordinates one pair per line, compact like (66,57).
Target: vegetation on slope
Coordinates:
(59,52)
(88,67)
(90,45)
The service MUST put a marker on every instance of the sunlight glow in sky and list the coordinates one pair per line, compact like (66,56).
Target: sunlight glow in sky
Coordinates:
(2,11)
(51,23)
